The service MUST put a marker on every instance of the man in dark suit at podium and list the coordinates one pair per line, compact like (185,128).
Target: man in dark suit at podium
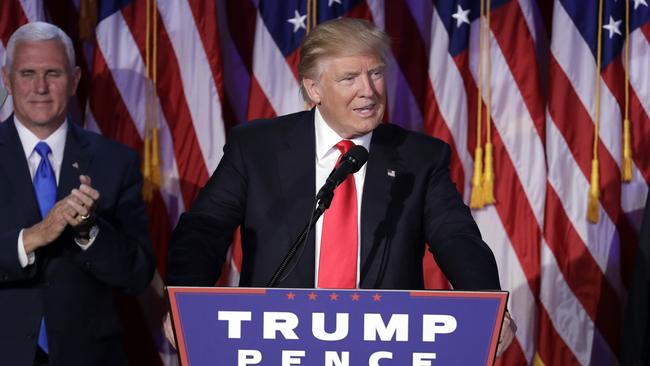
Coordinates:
(374,233)
(63,249)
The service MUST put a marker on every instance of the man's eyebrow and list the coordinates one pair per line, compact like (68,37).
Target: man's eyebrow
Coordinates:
(349,72)
(32,69)
(345,74)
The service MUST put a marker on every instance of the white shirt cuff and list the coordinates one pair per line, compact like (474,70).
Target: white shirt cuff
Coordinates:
(23,258)
(92,234)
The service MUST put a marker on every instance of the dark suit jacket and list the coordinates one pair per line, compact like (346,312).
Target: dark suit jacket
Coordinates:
(70,287)
(266,183)
(635,345)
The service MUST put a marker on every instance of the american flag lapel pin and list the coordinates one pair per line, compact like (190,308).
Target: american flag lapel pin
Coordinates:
(390,173)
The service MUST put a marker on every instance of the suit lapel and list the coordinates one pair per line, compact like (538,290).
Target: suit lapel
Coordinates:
(296,169)
(76,160)
(12,158)
(382,167)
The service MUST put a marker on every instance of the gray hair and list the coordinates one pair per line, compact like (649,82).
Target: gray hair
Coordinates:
(339,37)
(39,31)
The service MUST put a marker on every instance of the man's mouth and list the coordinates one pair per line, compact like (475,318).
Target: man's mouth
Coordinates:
(366,110)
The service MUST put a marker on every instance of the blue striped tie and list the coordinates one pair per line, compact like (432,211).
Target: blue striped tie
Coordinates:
(45,187)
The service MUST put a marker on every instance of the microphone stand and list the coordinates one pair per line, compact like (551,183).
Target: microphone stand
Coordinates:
(320,207)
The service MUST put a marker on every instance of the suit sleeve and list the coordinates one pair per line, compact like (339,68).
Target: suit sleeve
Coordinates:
(201,239)
(455,240)
(121,254)
(10,268)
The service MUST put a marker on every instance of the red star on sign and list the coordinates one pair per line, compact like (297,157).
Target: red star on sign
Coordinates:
(312,296)
(355,297)
(334,296)
(291,296)
(376,297)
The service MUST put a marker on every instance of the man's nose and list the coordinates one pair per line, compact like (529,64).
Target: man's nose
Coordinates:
(40,84)
(366,86)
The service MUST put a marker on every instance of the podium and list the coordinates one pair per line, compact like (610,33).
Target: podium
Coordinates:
(285,327)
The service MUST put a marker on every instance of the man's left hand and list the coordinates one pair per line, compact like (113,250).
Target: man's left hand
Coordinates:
(82,203)
(508,330)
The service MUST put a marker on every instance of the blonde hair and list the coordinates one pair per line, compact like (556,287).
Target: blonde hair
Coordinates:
(339,37)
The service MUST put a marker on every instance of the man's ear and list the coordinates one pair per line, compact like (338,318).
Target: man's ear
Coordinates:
(313,89)
(76,76)
(5,80)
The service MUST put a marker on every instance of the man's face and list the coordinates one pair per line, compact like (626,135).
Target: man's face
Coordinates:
(350,93)
(41,82)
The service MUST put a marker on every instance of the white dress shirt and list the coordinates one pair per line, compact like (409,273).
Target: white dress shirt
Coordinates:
(326,156)
(56,142)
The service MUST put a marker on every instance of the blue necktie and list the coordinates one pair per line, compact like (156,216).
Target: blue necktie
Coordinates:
(45,187)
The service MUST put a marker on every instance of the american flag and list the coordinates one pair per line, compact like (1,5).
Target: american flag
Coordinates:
(532,66)
(586,267)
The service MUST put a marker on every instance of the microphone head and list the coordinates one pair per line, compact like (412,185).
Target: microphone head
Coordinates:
(357,156)
(350,163)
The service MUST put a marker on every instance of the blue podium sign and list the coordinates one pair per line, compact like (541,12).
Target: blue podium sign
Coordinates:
(285,327)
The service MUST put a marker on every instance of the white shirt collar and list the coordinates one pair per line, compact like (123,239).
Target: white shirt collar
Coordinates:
(56,140)
(326,137)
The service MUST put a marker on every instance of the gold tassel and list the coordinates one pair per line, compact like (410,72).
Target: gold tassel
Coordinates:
(155,158)
(87,18)
(627,152)
(147,187)
(594,188)
(594,193)
(537,360)
(151,164)
(155,151)
(488,176)
(627,146)
(476,198)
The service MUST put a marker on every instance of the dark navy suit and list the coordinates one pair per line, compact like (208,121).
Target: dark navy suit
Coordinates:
(266,183)
(70,287)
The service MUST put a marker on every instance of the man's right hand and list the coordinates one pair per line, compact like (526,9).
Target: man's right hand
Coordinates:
(48,230)
(68,211)
(169,332)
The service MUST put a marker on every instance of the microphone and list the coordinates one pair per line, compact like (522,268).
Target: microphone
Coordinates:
(350,163)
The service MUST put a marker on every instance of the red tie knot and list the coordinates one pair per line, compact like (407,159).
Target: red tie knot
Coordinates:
(344,146)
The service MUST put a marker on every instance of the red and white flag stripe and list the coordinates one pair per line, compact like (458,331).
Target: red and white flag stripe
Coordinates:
(219,61)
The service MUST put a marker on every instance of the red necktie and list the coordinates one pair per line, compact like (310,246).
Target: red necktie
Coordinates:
(337,267)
